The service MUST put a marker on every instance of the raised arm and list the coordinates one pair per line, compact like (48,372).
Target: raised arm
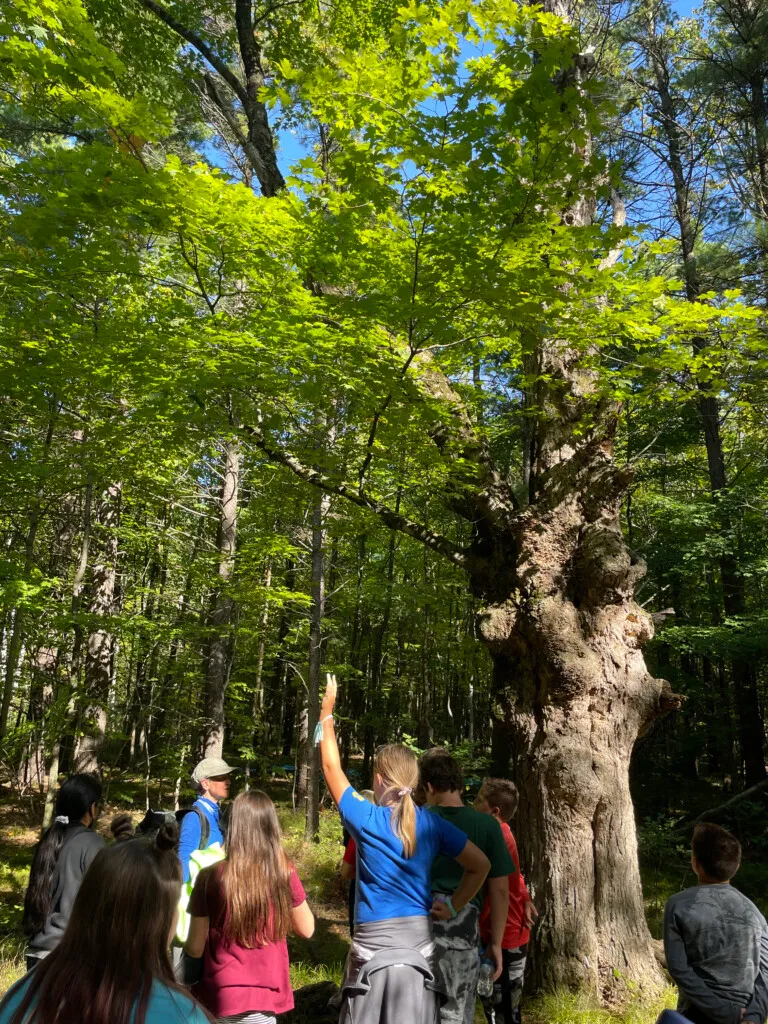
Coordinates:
(335,779)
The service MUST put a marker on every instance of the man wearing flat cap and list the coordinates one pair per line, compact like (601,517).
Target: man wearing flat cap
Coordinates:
(211,779)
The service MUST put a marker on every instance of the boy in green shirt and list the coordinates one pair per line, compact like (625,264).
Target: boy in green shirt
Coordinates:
(457,939)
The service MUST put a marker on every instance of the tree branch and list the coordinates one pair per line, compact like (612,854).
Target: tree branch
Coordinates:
(200,45)
(493,499)
(394,520)
(259,134)
(715,812)
(230,117)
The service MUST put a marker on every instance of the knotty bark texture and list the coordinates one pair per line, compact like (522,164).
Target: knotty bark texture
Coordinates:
(573,694)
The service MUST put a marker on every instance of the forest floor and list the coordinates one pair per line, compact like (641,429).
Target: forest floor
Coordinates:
(321,959)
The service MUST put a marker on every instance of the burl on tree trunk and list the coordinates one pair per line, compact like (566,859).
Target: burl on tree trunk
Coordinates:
(573,694)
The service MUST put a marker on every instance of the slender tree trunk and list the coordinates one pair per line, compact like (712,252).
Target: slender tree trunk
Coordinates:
(53,781)
(45,666)
(353,707)
(16,642)
(751,731)
(258,682)
(99,647)
(311,760)
(219,661)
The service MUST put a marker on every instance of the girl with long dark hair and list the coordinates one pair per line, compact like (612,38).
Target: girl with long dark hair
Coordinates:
(61,859)
(242,910)
(112,964)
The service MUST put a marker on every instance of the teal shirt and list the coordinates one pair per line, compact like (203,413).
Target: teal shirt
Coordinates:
(166,1006)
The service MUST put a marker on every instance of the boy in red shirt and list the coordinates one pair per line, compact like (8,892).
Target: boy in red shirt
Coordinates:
(499,798)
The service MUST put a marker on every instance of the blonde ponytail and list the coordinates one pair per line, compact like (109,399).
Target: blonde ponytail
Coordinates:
(399,768)
(404,823)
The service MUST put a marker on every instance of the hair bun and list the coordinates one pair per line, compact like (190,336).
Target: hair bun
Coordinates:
(167,837)
(121,827)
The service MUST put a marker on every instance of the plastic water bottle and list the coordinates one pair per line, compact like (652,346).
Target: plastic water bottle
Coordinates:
(485,979)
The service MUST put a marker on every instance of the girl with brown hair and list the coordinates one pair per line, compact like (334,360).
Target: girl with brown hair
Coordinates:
(242,910)
(111,966)
(396,844)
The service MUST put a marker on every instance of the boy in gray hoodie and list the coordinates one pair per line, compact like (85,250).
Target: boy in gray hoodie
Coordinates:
(715,939)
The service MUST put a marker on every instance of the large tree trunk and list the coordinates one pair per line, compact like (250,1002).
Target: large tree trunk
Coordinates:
(570,680)
(574,692)
(219,659)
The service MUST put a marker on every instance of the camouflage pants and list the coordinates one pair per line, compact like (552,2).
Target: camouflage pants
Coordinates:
(457,964)
(503,1007)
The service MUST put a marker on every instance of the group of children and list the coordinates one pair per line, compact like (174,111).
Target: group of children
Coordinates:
(439,902)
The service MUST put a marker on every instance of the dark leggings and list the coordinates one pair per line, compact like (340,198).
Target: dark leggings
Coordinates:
(503,1007)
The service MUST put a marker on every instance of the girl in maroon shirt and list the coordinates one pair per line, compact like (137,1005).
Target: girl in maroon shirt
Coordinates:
(242,909)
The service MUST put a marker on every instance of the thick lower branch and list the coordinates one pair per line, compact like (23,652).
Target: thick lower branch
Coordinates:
(394,520)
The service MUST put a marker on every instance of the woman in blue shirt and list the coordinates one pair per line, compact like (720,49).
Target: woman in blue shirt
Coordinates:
(111,965)
(396,844)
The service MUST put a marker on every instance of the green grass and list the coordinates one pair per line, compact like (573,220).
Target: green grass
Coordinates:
(15,856)
(303,973)
(566,1008)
